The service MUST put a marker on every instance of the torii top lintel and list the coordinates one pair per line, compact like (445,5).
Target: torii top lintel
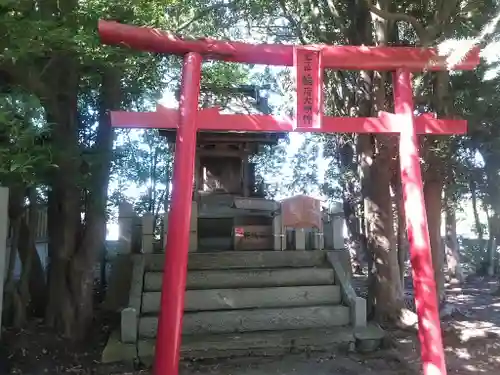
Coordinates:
(332,57)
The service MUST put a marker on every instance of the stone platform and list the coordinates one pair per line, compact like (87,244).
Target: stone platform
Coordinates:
(247,303)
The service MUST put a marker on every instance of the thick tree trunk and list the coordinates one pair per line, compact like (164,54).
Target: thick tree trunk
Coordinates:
(386,297)
(64,200)
(433,201)
(94,238)
(348,167)
(385,301)
(63,227)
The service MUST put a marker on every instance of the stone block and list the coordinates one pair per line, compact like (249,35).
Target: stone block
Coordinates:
(137,282)
(300,239)
(126,217)
(117,351)
(128,325)
(228,260)
(242,278)
(358,312)
(117,296)
(147,232)
(247,298)
(255,343)
(369,338)
(212,322)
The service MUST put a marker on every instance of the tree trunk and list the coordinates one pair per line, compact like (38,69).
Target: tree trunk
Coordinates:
(477,220)
(433,202)
(452,249)
(493,199)
(348,167)
(64,198)
(94,238)
(386,297)
(493,229)
(385,301)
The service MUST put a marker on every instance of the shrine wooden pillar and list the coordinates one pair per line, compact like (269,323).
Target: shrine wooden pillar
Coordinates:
(179,225)
(427,304)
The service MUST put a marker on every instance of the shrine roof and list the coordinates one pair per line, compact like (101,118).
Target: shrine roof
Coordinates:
(230,136)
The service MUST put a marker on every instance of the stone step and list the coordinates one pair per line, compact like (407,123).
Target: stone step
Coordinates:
(247,278)
(233,299)
(244,259)
(231,321)
(264,343)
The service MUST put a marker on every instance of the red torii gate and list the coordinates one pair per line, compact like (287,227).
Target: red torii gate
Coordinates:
(309,62)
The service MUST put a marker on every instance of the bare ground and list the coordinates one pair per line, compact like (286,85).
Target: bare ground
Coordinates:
(471,336)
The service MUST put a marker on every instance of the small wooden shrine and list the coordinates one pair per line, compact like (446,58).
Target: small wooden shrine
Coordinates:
(226,193)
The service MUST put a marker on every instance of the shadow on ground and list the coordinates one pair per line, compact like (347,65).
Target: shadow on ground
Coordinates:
(471,336)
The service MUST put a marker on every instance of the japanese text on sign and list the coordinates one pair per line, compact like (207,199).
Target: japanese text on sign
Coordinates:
(309,87)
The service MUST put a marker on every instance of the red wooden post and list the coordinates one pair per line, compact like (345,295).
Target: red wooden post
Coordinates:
(168,340)
(429,328)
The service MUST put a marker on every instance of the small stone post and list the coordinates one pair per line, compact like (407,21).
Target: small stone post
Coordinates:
(278,232)
(4,228)
(121,265)
(319,238)
(337,213)
(193,235)
(147,232)
(300,239)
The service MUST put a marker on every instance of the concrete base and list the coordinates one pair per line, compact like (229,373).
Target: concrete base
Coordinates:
(117,351)
(271,343)
(369,338)
(255,344)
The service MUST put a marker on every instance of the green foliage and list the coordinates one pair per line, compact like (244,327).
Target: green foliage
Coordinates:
(304,164)
(24,156)
(270,162)
(142,162)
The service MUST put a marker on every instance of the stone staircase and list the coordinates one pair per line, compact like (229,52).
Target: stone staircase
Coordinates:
(245,303)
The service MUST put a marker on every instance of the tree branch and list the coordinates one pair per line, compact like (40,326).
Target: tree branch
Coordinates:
(202,13)
(441,18)
(417,26)
(294,22)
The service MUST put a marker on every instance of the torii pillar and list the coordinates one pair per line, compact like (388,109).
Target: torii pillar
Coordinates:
(309,62)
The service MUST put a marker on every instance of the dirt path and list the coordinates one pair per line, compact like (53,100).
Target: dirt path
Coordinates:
(303,365)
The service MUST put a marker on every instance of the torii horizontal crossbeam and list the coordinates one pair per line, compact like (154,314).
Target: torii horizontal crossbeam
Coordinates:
(333,57)
(211,119)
